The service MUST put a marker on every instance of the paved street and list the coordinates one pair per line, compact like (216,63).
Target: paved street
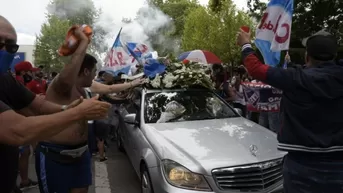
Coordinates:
(113,176)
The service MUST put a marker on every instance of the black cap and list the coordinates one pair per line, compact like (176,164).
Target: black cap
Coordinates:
(321,46)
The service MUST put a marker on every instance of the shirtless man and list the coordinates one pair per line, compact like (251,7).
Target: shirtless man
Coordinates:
(63,163)
(17,104)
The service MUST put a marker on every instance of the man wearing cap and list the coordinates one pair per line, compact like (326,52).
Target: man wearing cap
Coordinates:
(23,72)
(37,85)
(311,119)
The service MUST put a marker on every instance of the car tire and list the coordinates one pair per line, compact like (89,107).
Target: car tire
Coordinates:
(119,141)
(146,185)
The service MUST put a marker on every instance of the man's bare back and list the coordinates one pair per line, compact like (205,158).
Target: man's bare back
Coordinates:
(76,133)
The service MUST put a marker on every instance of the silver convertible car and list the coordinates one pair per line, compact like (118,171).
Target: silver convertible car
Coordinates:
(188,141)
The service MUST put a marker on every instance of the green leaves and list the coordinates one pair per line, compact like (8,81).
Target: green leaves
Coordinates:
(47,43)
(177,10)
(215,29)
(62,14)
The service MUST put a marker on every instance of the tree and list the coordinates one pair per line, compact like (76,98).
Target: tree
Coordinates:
(167,38)
(47,44)
(214,29)
(177,10)
(62,14)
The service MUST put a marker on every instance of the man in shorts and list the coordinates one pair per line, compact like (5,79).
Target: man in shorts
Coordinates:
(63,162)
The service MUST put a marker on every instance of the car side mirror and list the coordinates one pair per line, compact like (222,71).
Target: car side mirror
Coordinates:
(131,119)
(239,111)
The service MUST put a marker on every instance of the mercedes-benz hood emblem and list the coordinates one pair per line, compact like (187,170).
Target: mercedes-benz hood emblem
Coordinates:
(253,150)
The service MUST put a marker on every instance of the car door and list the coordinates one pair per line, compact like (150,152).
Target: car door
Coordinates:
(136,135)
(139,145)
(129,130)
(123,130)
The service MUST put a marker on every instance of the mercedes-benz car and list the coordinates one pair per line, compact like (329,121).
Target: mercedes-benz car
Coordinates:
(191,140)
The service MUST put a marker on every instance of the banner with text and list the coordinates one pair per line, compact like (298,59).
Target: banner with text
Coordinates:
(261,97)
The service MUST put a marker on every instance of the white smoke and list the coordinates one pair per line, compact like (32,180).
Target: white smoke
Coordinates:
(67,7)
(146,20)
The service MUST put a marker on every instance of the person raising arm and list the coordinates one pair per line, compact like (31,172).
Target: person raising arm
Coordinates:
(312,102)
(100,88)
(66,154)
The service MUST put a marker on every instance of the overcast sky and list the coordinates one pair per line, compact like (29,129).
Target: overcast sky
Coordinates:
(27,16)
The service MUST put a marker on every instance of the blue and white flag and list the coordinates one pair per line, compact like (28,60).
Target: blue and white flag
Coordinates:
(274,31)
(118,59)
(137,49)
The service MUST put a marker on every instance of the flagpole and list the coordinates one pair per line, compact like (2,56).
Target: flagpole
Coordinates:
(118,36)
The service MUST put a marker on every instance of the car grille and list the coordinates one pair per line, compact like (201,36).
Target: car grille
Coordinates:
(249,178)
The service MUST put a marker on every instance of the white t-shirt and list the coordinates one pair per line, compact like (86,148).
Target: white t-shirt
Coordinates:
(240,96)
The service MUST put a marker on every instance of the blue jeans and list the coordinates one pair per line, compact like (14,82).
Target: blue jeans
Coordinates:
(310,175)
(270,120)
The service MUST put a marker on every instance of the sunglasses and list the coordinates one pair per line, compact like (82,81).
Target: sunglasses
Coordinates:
(10,47)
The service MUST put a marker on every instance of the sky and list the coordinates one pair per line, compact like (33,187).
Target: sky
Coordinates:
(27,16)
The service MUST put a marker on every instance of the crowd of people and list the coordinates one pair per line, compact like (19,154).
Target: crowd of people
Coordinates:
(51,117)
(230,88)
(66,116)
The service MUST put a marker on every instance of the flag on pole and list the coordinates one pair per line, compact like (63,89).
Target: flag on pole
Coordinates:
(118,59)
(274,31)
(137,49)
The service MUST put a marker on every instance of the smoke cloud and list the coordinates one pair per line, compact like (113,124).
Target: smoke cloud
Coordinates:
(145,21)
(145,27)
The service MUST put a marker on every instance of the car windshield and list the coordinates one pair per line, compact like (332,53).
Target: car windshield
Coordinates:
(177,106)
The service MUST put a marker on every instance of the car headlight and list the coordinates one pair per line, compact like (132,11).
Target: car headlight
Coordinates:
(179,176)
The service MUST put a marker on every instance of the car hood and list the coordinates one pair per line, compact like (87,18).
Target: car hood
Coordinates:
(208,144)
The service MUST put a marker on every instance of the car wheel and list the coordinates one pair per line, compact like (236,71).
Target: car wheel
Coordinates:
(119,141)
(146,185)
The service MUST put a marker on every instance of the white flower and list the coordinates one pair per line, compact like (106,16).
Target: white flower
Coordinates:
(182,75)
(168,80)
(177,64)
(156,82)
(168,85)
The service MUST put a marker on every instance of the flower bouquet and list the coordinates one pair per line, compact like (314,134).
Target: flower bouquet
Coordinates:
(184,74)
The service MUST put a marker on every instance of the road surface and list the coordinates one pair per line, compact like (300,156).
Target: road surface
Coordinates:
(113,176)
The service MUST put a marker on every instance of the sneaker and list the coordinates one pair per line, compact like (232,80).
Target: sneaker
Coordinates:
(28,185)
(103,159)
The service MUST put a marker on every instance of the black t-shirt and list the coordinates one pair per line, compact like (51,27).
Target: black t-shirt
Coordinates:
(3,107)
(13,95)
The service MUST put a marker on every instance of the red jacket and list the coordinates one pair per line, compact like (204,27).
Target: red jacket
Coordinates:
(37,87)
(20,79)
